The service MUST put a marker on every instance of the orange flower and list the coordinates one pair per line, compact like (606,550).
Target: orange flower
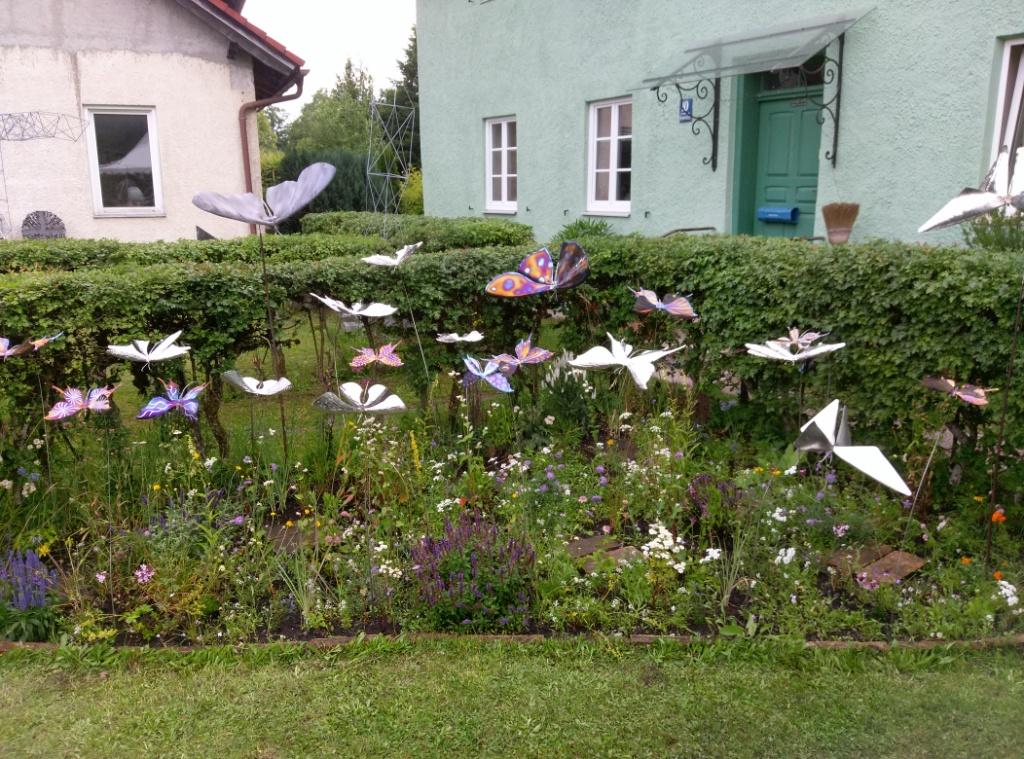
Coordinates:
(965,560)
(997,575)
(998,517)
(462,502)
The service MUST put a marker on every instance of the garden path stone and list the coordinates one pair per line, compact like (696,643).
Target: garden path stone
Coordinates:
(622,555)
(852,560)
(893,566)
(585,546)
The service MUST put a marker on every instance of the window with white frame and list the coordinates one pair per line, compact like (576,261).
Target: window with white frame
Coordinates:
(1009,120)
(610,156)
(502,165)
(124,161)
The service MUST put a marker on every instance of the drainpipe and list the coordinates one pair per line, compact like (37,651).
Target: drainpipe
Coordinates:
(297,77)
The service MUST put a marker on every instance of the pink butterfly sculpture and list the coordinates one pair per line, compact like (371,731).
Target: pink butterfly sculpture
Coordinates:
(491,373)
(526,353)
(75,401)
(674,305)
(537,273)
(976,396)
(386,355)
(184,400)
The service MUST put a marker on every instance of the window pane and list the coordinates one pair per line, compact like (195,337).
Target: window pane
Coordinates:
(496,188)
(604,122)
(495,161)
(126,167)
(601,185)
(625,154)
(512,134)
(496,135)
(512,189)
(626,119)
(512,168)
(622,188)
(604,150)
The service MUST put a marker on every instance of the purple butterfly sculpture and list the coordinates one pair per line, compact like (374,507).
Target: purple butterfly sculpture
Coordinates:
(386,356)
(537,273)
(76,401)
(674,305)
(185,400)
(491,372)
(976,396)
(526,353)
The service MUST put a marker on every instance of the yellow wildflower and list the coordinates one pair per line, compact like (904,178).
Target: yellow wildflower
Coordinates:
(156,487)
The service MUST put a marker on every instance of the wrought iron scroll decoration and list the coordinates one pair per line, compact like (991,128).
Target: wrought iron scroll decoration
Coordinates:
(707,120)
(831,71)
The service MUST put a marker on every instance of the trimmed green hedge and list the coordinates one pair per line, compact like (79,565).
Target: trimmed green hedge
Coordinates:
(436,233)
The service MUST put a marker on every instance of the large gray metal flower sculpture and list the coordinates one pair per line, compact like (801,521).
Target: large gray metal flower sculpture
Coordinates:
(283,200)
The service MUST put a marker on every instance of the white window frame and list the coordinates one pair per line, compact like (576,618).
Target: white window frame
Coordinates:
(608,207)
(502,204)
(99,210)
(1008,104)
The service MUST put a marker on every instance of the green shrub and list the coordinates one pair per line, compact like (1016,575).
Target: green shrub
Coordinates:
(436,233)
(996,231)
(412,194)
(346,192)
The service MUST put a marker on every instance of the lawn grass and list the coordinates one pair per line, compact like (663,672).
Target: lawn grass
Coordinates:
(469,698)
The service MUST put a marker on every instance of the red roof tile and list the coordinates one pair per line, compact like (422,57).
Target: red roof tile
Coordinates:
(250,27)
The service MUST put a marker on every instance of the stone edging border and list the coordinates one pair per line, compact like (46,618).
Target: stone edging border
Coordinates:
(336,641)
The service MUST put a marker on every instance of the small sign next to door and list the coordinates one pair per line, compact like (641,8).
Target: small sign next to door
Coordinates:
(685,110)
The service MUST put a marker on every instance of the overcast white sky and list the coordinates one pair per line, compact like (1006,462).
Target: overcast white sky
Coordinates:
(373,33)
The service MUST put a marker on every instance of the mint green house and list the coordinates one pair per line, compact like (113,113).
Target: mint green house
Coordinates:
(741,117)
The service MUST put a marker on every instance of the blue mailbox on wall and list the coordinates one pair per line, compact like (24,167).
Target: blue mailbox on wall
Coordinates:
(778,214)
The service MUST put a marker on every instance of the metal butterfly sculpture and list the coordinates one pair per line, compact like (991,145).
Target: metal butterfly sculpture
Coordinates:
(385,355)
(490,373)
(976,396)
(75,401)
(254,386)
(525,353)
(395,260)
(370,310)
(455,337)
(796,347)
(640,365)
(538,274)
(29,346)
(996,191)
(185,400)
(648,301)
(828,432)
(356,398)
(140,350)
(283,200)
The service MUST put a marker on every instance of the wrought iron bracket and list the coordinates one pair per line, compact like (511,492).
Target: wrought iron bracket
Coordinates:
(830,70)
(707,121)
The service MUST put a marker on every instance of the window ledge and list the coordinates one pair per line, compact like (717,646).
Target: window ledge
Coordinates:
(129,214)
(619,214)
(502,211)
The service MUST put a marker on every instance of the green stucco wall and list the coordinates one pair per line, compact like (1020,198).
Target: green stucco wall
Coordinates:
(919,86)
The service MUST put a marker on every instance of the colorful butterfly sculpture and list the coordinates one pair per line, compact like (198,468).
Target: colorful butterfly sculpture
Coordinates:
(255,386)
(491,373)
(454,337)
(640,365)
(828,432)
(75,401)
(976,396)
(386,356)
(185,400)
(675,305)
(996,191)
(395,260)
(526,353)
(537,273)
(29,346)
(356,398)
(283,200)
(797,341)
(139,350)
(370,310)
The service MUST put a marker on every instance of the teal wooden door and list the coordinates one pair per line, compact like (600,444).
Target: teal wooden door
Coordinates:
(789,137)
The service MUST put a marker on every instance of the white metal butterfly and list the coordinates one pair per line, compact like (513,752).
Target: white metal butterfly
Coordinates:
(796,347)
(827,432)
(996,191)
(395,260)
(283,200)
(355,398)
(255,386)
(640,365)
(370,310)
(454,337)
(140,350)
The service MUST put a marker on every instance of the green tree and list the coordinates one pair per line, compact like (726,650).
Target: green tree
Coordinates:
(336,118)
(271,124)
(406,92)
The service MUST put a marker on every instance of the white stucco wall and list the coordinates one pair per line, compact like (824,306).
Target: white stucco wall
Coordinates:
(64,56)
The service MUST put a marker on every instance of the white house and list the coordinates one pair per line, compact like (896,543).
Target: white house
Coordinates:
(113,113)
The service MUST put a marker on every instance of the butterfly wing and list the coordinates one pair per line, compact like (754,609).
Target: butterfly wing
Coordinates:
(573,266)
(512,284)
(157,407)
(819,433)
(37,344)
(364,357)
(166,349)
(332,404)
(819,350)
(997,179)
(871,461)
(976,396)
(335,305)
(73,403)
(965,206)
(942,384)
(646,301)
(380,400)
(493,374)
(595,358)
(538,267)
(98,399)
(382,260)
(138,350)
(677,305)
(770,350)
(387,356)
(372,310)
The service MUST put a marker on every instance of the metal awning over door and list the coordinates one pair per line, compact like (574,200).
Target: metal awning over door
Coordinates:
(782,47)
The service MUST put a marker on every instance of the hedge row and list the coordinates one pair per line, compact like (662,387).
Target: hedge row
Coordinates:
(438,233)
(904,311)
